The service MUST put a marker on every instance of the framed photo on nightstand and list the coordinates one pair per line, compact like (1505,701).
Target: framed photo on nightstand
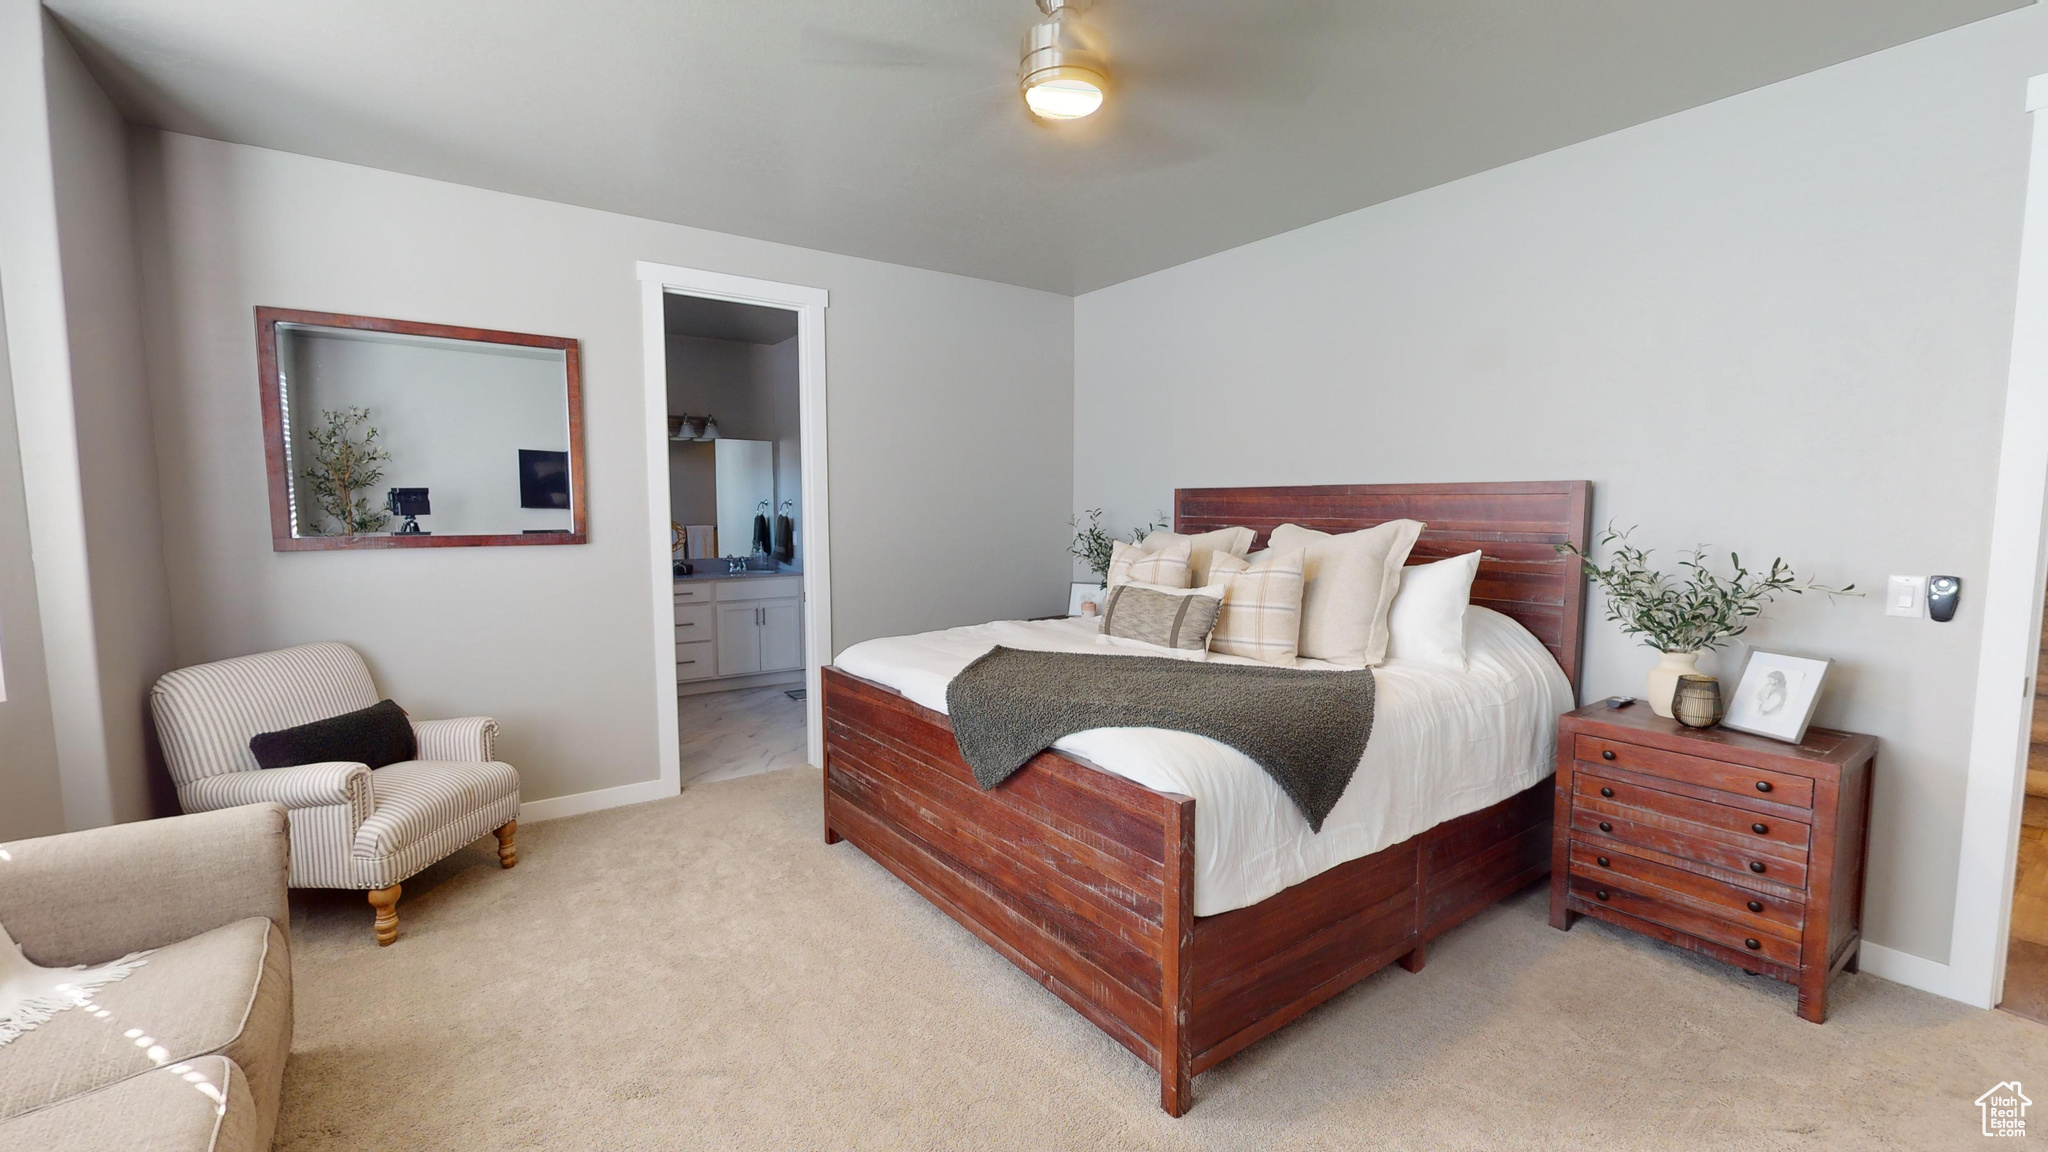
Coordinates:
(1776,695)
(1083,593)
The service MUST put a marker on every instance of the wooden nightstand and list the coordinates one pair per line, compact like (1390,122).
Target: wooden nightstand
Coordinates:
(1740,848)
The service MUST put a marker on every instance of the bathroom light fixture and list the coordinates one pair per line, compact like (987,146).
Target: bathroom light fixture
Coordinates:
(1063,74)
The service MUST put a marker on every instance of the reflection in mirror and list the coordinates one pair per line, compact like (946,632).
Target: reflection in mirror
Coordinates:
(391,434)
(728,483)
(746,496)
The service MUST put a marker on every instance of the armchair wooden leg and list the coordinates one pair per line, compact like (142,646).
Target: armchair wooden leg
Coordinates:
(507,854)
(385,901)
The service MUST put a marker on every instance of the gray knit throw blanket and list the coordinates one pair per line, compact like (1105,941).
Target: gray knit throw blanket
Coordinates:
(1307,729)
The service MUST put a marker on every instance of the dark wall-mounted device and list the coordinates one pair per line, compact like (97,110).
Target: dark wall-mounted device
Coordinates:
(1942,594)
(411,503)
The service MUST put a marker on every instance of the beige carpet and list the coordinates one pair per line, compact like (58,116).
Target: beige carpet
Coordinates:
(703,972)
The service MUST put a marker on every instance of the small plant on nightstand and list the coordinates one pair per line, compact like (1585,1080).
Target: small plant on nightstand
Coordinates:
(1093,545)
(1685,615)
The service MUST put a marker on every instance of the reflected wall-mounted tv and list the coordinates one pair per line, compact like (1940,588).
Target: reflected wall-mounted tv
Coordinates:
(543,479)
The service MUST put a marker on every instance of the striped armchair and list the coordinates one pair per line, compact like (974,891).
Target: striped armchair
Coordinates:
(351,826)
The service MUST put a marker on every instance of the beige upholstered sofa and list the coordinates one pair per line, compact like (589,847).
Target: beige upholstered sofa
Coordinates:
(191,1048)
(352,826)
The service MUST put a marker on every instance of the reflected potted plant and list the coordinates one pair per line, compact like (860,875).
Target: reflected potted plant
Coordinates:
(1684,615)
(344,469)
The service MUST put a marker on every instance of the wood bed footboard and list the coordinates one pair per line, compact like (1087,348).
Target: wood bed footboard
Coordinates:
(1085,880)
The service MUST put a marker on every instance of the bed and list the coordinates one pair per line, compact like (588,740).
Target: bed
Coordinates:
(1086,879)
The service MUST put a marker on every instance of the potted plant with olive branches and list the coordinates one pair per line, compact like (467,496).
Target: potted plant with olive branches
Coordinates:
(1682,616)
(1093,545)
(344,468)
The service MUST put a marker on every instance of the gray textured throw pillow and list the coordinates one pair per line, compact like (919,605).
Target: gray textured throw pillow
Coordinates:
(1169,619)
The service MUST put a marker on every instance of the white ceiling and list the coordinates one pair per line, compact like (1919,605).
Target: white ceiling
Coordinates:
(891,129)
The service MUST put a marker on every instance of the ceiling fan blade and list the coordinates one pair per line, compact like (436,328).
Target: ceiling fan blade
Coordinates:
(832,48)
(1220,53)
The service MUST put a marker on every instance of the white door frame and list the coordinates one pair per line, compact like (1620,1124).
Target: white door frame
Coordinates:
(2010,646)
(656,281)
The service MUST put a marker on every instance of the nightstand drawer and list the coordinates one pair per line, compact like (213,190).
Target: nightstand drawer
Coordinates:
(1774,835)
(1734,779)
(1760,911)
(1744,862)
(1677,917)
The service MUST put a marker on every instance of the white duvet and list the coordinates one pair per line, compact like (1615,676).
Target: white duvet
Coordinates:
(1444,743)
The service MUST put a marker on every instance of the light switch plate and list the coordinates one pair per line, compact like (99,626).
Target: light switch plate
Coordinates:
(1906,596)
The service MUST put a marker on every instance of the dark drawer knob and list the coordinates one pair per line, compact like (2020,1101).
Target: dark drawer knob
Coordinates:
(1607,791)
(1756,905)
(1752,944)
(1763,785)
(1600,893)
(1606,827)
(1756,866)
(1607,754)
(1601,860)
(1759,829)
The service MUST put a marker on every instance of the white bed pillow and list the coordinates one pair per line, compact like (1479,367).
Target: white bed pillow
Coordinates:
(1166,568)
(1205,546)
(1352,580)
(1261,615)
(1427,621)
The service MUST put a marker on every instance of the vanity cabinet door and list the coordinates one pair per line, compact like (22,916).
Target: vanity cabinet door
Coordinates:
(781,636)
(739,639)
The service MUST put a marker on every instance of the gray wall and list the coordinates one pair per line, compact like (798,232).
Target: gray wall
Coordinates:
(83,426)
(110,399)
(31,793)
(950,434)
(1779,323)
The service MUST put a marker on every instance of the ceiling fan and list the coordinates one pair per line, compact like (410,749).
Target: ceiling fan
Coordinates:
(1184,59)
(1064,71)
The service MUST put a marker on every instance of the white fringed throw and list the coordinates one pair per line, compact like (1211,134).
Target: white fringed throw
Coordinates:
(30,994)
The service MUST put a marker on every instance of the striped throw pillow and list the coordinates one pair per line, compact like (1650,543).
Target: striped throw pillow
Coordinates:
(1178,619)
(1261,616)
(1167,568)
(1206,545)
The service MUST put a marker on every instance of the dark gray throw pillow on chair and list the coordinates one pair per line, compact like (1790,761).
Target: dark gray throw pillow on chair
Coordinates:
(378,735)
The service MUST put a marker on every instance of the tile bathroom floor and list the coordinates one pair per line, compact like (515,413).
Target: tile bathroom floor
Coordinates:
(727,735)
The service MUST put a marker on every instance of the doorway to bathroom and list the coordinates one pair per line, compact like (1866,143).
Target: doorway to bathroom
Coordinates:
(736,492)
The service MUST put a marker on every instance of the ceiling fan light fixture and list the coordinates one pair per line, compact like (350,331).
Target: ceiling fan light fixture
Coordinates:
(1064,94)
(1063,74)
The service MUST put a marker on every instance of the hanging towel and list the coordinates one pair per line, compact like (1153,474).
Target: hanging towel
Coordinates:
(702,541)
(785,539)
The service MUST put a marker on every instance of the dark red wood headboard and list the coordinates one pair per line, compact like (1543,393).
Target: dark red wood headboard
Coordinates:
(1517,526)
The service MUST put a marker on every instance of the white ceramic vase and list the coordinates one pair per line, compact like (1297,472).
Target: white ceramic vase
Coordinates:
(1664,679)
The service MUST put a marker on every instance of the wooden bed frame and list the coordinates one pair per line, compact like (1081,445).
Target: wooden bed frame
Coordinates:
(1085,879)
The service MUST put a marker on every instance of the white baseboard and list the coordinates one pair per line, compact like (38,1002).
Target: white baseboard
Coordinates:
(1906,968)
(577,803)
